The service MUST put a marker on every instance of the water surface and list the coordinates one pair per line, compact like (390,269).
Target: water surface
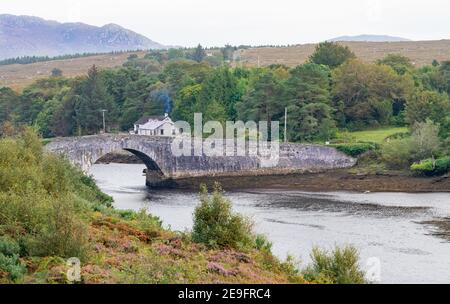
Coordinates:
(382,225)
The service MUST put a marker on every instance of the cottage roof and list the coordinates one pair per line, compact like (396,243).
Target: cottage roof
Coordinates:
(146,119)
(153,122)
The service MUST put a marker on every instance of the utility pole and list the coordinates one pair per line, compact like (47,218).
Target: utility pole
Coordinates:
(285,124)
(104,121)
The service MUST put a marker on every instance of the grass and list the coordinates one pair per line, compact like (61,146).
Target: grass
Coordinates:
(375,135)
(18,76)
(420,52)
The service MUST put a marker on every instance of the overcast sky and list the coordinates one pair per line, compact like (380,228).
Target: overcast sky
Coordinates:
(215,23)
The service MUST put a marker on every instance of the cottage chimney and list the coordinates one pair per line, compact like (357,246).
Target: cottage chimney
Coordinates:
(166,115)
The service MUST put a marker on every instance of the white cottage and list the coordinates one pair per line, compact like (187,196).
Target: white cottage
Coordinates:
(155,126)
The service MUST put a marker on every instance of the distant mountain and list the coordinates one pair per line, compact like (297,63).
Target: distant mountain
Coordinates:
(369,38)
(28,36)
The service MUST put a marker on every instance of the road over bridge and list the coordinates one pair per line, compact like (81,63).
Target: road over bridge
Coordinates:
(164,167)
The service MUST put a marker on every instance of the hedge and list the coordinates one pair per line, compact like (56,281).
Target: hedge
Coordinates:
(356,149)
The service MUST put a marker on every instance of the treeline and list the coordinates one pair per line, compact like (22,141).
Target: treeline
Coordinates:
(34,59)
(334,90)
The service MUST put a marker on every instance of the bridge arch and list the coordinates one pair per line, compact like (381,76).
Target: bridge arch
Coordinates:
(155,176)
(86,151)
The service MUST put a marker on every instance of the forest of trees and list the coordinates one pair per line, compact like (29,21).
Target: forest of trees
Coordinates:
(332,91)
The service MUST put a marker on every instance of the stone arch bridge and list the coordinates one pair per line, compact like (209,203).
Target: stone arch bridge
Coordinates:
(163,167)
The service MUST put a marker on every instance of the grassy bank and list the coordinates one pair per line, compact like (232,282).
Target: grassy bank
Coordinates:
(378,135)
(51,212)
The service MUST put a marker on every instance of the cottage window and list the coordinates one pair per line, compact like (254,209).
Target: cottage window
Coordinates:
(162,132)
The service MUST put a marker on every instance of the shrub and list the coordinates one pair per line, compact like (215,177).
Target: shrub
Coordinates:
(263,244)
(9,260)
(216,226)
(442,165)
(64,234)
(425,167)
(397,154)
(92,189)
(356,149)
(431,167)
(341,266)
(151,225)
(423,143)
(44,200)
(425,140)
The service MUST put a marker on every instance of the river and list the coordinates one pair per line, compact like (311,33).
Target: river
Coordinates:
(385,226)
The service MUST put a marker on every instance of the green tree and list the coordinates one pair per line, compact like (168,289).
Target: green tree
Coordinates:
(308,95)
(57,72)
(331,54)
(443,81)
(364,94)
(221,86)
(46,119)
(143,97)
(228,52)
(180,73)
(175,54)
(186,103)
(63,117)
(90,99)
(9,101)
(425,105)
(35,97)
(264,99)
(400,64)
(199,54)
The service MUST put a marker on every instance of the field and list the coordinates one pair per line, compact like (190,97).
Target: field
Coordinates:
(420,52)
(17,76)
(375,135)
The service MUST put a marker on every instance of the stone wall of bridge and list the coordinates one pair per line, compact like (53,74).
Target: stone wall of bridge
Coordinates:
(156,154)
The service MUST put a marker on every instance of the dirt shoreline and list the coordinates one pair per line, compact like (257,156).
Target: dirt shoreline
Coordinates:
(336,180)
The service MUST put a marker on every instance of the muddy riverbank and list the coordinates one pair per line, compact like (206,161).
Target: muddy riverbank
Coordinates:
(338,180)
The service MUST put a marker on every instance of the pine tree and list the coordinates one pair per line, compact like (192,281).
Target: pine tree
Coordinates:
(91,100)
(199,54)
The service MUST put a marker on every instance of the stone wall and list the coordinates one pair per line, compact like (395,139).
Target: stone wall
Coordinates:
(157,155)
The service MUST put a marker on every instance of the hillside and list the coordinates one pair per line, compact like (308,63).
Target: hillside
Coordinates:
(369,38)
(17,76)
(420,52)
(33,36)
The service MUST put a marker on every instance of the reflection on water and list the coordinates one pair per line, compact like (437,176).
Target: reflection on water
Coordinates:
(382,225)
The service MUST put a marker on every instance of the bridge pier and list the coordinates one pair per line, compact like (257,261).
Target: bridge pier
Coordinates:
(154,179)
